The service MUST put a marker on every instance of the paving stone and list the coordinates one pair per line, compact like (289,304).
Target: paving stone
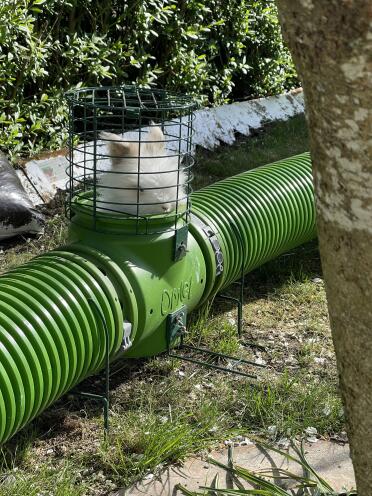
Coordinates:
(330,460)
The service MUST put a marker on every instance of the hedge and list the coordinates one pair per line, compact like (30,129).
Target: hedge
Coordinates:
(217,50)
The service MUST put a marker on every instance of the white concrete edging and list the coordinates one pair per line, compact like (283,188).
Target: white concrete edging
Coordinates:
(219,124)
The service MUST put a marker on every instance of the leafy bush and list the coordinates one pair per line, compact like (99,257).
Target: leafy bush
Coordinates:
(214,49)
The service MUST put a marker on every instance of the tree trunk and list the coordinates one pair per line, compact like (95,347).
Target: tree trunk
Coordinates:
(331,43)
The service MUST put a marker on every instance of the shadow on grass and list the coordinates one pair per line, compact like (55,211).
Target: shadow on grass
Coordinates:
(300,264)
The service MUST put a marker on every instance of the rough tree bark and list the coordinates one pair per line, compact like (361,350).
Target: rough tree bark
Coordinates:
(331,42)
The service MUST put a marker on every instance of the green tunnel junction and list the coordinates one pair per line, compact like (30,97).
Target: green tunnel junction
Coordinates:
(52,336)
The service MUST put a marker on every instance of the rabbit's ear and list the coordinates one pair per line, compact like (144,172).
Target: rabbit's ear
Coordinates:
(156,135)
(117,147)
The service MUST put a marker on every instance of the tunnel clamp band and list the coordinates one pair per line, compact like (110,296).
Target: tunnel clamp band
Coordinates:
(212,236)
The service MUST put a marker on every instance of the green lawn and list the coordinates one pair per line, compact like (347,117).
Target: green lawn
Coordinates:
(164,409)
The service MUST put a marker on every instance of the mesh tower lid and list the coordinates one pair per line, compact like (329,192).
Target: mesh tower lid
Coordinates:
(130,159)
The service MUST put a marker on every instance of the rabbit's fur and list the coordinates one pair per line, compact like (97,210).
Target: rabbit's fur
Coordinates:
(150,180)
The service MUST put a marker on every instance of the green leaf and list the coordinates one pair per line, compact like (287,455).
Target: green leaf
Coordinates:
(191,33)
(168,45)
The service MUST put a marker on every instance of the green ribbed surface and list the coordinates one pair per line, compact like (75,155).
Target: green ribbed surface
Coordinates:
(259,214)
(50,339)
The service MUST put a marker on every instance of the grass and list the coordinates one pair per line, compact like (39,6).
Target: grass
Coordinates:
(19,250)
(163,409)
(292,404)
(139,447)
(57,480)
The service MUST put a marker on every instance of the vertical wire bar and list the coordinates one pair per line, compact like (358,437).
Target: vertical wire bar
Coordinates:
(162,112)
(124,98)
(94,163)
(242,282)
(139,161)
(165,116)
(71,152)
(241,293)
(123,111)
(85,148)
(139,98)
(178,169)
(105,398)
(189,162)
(242,278)
(157,109)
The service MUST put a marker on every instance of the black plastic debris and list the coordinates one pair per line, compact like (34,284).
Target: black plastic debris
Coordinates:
(17,214)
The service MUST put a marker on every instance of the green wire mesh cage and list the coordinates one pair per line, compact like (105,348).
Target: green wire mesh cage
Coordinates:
(130,158)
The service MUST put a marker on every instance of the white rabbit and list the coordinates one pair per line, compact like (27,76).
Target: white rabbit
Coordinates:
(143,173)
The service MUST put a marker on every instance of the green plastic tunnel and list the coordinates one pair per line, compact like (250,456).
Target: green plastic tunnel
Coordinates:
(52,336)
(259,214)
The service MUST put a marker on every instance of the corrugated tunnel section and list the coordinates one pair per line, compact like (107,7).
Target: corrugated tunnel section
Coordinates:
(259,214)
(52,336)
